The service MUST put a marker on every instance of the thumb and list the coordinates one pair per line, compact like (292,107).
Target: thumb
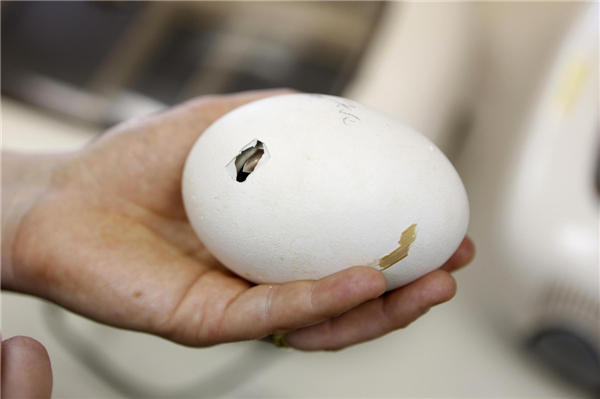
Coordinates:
(26,370)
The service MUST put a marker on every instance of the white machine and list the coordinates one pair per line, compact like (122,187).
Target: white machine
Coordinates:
(549,235)
(529,162)
(535,187)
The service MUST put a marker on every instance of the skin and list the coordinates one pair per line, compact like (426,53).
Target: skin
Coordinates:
(26,371)
(103,232)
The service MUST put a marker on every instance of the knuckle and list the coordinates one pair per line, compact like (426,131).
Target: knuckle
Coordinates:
(269,309)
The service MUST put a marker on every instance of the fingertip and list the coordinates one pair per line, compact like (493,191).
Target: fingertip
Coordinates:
(23,344)
(463,255)
(440,287)
(26,368)
(213,106)
(243,97)
(466,251)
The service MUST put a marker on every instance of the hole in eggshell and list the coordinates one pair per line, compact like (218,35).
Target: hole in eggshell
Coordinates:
(251,157)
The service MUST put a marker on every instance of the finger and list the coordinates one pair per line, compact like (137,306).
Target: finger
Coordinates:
(223,103)
(462,257)
(188,120)
(26,370)
(203,111)
(377,317)
(268,309)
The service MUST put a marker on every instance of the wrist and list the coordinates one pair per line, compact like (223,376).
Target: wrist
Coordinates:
(25,179)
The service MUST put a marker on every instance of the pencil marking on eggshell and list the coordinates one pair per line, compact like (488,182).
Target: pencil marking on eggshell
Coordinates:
(346,109)
(408,237)
(349,121)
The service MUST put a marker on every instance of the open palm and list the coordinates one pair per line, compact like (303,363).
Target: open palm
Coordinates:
(109,239)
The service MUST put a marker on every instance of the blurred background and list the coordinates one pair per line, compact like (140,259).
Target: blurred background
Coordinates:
(509,91)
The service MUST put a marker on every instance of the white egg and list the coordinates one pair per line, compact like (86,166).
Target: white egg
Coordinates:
(329,184)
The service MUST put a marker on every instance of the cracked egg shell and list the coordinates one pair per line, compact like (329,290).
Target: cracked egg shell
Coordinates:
(337,184)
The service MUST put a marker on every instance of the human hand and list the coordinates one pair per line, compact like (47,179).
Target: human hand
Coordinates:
(26,370)
(103,232)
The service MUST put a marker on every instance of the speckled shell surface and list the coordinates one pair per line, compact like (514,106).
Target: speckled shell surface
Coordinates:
(338,185)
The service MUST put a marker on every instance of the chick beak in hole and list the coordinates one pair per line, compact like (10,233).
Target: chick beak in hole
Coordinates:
(251,162)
